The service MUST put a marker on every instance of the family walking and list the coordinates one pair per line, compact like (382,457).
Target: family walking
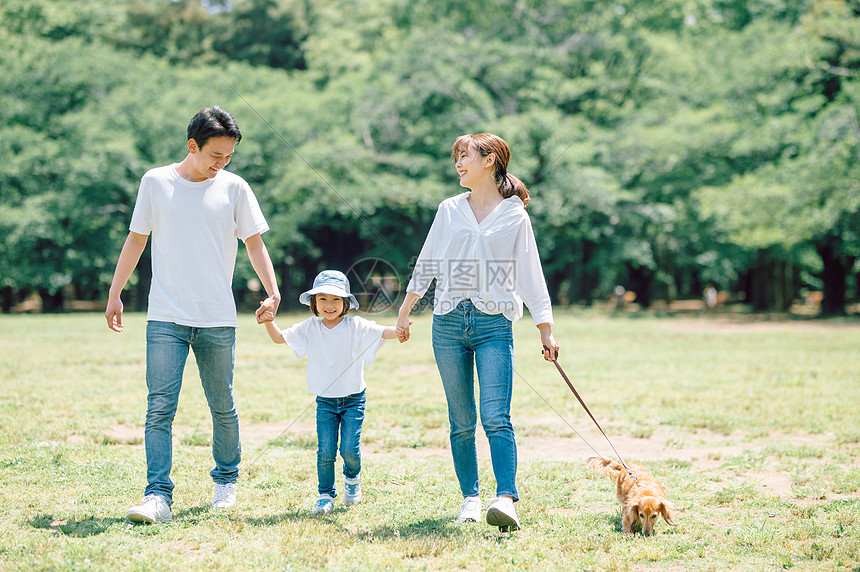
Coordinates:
(480,250)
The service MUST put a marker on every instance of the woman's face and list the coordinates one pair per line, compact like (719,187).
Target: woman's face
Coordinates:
(471,166)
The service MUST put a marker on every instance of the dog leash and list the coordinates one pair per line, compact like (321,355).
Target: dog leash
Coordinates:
(584,406)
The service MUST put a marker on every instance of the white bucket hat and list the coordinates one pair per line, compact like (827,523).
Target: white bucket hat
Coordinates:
(331,282)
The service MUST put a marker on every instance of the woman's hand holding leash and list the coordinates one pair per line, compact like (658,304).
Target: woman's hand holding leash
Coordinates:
(550,346)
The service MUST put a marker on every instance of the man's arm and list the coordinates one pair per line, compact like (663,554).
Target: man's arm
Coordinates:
(128,259)
(262,264)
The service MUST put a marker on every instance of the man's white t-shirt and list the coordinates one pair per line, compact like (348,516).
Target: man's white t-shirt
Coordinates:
(195,227)
(336,356)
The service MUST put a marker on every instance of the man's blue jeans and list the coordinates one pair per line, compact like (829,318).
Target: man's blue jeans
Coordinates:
(167,347)
(463,339)
(344,415)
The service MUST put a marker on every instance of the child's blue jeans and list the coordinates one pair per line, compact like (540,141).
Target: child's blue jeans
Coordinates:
(344,415)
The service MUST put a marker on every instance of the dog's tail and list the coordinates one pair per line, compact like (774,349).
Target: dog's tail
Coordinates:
(604,466)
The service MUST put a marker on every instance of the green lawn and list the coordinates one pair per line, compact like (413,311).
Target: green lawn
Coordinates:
(752,427)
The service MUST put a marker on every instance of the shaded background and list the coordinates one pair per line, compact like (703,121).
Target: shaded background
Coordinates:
(670,146)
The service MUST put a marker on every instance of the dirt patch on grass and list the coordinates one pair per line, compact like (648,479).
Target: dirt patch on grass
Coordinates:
(262,433)
(251,434)
(773,482)
(189,549)
(124,434)
(723,458)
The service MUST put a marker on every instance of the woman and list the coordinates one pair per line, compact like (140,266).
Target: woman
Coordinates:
(482,253)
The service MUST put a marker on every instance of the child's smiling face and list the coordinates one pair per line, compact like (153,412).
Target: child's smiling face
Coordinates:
(330,308)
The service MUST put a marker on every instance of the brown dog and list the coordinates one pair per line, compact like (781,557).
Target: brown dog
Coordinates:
(642,502)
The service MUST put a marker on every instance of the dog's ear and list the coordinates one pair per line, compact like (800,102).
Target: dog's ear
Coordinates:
(666,511)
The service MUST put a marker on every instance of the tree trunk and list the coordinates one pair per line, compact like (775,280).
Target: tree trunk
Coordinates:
(7,299)
(771,284)
(834,276)
(52,303)
(642,282)
(585,278)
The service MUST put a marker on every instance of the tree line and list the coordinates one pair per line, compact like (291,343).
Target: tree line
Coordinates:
(668,145)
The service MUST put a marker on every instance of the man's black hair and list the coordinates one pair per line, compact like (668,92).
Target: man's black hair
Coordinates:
(212,122)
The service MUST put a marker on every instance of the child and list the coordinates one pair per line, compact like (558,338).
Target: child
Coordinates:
(337,346)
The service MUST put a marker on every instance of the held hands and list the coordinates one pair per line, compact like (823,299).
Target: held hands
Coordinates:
(266,316)
(267,310)
(402,329)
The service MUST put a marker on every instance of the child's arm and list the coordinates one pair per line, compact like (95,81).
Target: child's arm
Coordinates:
(390,333)
(274,332)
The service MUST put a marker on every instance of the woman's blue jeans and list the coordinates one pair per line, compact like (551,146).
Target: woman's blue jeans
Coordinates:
(167,347)
(463,339)
(344,415)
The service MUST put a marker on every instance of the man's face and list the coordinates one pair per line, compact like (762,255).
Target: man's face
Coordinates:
(212,157)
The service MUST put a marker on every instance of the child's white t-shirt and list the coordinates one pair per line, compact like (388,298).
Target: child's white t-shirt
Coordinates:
(194,226)
(336,356)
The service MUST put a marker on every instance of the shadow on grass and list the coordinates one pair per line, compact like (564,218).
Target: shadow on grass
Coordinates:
(294,516)
(92,526)
(615,521)
(437,528)
(193,514)
(81,528)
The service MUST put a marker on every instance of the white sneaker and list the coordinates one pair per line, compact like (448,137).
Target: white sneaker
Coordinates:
(225,495)
(324,505)
(153,508)
(470,510)
(352,491)
(502,514)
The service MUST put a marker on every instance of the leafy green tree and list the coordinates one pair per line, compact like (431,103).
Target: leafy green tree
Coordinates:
(667,145)
(805,192)
(266,33)
(87,20)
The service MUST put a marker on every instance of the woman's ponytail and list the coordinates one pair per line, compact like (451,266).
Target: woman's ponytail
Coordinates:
(510,185)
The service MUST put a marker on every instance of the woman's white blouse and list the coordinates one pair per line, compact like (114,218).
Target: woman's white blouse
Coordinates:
(494,263)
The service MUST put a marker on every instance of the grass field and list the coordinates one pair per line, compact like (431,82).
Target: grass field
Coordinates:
(752,427)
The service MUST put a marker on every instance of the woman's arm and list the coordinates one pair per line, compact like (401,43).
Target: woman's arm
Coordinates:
(551,347)
(531,286)
(403,323)
(530,282)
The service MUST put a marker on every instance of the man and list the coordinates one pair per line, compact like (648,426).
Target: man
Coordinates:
(195,211)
